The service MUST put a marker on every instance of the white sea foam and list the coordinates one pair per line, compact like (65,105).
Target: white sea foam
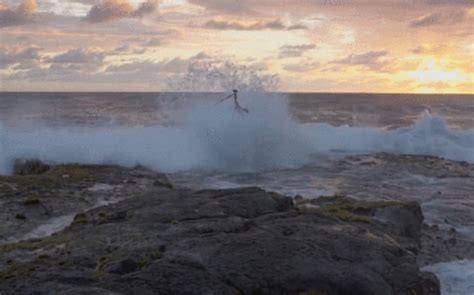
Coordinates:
(430,135)
(212,137)
(457,278)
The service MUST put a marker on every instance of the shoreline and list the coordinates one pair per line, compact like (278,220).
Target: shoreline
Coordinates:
(140,199)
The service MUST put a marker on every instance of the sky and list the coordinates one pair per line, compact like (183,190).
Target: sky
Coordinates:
(402,46)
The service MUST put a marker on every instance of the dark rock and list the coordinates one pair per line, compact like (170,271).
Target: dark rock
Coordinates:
(20,216)
(122,267)
(29,167)
(113,217)
(233,241)
(31,201)
(49,196)
(406,219)
(83,261)
(429,284)
(162,183)
(87,291)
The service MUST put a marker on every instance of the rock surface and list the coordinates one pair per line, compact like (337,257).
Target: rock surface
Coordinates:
(51,198)
(161,240)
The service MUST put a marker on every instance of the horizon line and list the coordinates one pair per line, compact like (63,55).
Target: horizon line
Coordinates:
(218,92)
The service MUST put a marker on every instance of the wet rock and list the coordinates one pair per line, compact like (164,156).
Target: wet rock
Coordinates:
(405,218)
(47,199)
(444,245)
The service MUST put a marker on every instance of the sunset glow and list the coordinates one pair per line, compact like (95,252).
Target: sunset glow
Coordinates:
(312,46)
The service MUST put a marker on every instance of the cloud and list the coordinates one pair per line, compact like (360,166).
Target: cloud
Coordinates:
(110,10)
(255,26)
(123,48)
(214,73)
(447,2)
(78,56)
(146,8)
(75,65)
(201,72)
(306,66)
(439,18)
(233,6)
(153,42)
(89,2)
(23,14)
(371,59)
(19,56)
(227,6)
(175,65)
(429,49)
(127,49)
(295,50)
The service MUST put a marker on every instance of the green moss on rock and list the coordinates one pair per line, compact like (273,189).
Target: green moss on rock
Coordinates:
(73,172)
(337,213)
(17,270)
(55,178)
(355,205)
(35,244)
(80,218)
(142,263)
(346,209)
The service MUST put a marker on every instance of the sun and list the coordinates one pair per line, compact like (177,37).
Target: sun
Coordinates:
(435,75)
(433,70)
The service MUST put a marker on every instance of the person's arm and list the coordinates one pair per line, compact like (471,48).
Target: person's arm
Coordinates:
(224,99)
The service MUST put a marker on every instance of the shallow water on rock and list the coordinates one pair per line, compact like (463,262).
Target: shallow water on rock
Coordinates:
(444,188)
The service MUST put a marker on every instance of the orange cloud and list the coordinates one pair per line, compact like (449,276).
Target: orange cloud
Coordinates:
(116,9)
(439,18)
(259,25)
(21,15)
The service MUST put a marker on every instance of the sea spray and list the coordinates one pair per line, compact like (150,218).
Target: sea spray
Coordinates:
(209,73)
(208,137)
(456,277)
(265,138)
(430,135)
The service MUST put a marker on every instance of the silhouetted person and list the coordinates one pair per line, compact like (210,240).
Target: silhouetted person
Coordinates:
(238,108)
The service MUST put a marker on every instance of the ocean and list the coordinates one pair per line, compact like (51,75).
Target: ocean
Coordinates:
(176,132)
(288,143)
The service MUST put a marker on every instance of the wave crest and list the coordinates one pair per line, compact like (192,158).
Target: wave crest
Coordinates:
(212,137)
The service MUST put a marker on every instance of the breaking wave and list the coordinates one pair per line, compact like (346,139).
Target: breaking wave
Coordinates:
(214,137)
(456,277)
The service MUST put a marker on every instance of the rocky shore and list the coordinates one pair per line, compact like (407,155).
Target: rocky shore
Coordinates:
(85,229)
